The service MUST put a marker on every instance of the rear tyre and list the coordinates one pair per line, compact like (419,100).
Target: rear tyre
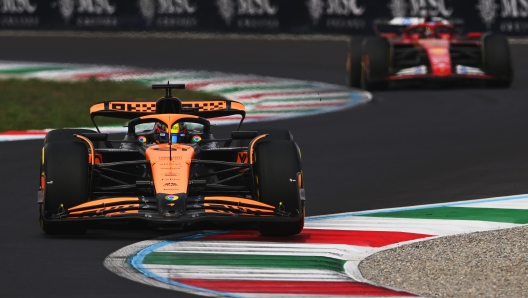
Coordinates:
(277,166)
(66,184)
(274,134)
(375,63)
(496,60)
(67,134)
(353,63)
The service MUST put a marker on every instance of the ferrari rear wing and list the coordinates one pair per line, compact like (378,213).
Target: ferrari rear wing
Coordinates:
(399,24)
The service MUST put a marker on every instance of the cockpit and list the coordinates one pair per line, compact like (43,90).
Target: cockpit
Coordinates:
(423,31)
(158,132)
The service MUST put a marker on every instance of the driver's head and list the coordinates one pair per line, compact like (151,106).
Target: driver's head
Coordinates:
(178,132)
(428,32)
(161,131)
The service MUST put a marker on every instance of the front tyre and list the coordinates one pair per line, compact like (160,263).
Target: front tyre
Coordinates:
(353,62)
(375,63)
(277,173)
(496,60)
(65,184)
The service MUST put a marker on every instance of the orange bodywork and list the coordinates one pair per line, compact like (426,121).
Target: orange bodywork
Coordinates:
(150,107)
(252,145)
(99,208)
(91,155)
(170,167)
(211,105)
(100,203)
(42,183)
(237,201)
(124,106)
(238,209)
(105,210)
(170,164)
(169,119)
(242,157)
(221,205)
(98,158)
(236,212)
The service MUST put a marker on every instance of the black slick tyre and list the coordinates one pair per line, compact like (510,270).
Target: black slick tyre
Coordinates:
(375,63)
(277,134)
(67,134)
(66,174)
(353,62)
(277,165)
(496,60)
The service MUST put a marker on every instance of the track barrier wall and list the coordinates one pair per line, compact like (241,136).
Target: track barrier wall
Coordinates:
(354,17)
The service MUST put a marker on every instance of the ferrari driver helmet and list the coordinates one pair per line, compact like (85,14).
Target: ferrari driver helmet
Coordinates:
(427,32)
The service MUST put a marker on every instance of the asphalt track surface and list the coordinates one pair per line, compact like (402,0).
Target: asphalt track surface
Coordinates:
(407,147)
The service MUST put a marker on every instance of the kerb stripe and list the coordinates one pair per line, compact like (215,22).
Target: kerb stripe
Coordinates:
(348,237)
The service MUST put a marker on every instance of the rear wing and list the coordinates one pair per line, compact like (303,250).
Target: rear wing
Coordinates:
(399,24)
(206,108)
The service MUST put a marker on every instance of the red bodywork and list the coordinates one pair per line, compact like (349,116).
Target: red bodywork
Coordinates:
(436,40)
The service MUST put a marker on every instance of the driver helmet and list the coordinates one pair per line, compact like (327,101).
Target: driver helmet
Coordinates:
(178,132)
(427,32)
(161,132)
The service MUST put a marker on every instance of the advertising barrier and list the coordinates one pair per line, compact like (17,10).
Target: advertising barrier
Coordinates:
(258,16)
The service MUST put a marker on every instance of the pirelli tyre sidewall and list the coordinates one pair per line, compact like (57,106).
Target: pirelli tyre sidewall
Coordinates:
(375,63)
(66,171)
(496,60)
(277,165)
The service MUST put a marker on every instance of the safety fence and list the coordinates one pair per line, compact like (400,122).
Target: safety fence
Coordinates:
(354,17)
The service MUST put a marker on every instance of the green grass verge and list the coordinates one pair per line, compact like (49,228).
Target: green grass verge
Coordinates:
(37,104)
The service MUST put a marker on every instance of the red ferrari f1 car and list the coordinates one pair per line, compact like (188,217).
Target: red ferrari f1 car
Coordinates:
(170,172)
(427,49)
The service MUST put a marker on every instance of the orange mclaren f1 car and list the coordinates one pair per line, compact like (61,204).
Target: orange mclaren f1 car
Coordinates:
(170,172)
